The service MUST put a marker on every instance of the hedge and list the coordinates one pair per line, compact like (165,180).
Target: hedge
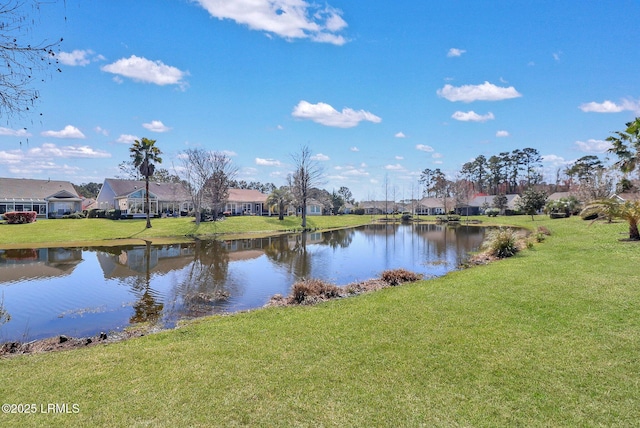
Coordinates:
(20,217)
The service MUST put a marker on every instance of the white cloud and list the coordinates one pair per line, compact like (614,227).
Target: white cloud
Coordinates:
(502,133)
(78,57)
(127,138)
(484,92)
(14,132)
(472,116)
(49,150)
(454,52)
(556,55)
(320,157)
(593,146)
(555,160)
(437,155)
(229,153)
(400,135)
(399,157)
(267,162)
(396,167)
(424,148)
(611,107)
(100,130)
(290,19)
(325,114)
(354,149)
(156,126)
(68,132)
(143,70)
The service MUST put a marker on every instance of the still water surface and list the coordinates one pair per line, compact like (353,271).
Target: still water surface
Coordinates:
(83,291)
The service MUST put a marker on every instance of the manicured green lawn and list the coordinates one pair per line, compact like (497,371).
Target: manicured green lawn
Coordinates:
(87,230)
(548,338)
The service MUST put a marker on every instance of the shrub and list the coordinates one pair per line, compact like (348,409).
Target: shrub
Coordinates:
(398,276)
(359,211)
(20,217)
(492,212)
(502,243)
(406,217)
(309,291)
(75,216)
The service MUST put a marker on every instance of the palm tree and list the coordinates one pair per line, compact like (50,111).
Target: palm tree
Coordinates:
(626,145)
(280,198)
(609,208)
(144,153)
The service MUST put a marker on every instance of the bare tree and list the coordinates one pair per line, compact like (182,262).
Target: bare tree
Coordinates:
(223,172)
(196,172)
(307,174)
(20,59)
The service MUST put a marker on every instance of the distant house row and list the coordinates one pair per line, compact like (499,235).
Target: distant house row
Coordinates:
(53,199)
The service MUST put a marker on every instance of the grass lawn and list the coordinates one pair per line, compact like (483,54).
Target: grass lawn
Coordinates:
(550,337)
(86,231)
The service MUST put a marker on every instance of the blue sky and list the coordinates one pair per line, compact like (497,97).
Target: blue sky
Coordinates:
(376,89)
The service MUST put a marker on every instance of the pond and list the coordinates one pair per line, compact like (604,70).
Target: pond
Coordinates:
(80,292)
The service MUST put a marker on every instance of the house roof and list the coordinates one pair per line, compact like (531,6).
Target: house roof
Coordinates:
(559,195)
(479,201)
(24,188)
(164,191)
(246,195)
(431,202)
(628,196)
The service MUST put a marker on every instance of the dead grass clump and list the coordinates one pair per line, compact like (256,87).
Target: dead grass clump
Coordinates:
(398,276)
(365,286)
(544,230)
(310,291)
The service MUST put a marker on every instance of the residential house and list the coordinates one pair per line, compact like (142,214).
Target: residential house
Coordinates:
(48,198)
(377,207)
(430,206)
(128,196)
(626,196)
(477,204)
(246,202)
(314,207)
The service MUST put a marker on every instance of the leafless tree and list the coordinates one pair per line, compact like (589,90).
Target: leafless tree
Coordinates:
(20,59)
(307,174)
(223,172)
(196,172)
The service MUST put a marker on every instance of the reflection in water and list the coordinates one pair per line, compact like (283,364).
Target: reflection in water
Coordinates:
(81,292)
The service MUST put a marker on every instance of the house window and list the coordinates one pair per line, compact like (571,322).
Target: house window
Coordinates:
(246,208)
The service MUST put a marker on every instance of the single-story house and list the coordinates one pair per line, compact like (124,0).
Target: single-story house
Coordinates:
(430,206)
(314,207)
(377,207)
(48,198)
(246,202)
(128,196)
(477,204)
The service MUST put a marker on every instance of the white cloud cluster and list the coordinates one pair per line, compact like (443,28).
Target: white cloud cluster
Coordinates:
(49,150)
(400,135)
(156,126)
(320,157)
(502,134)
(127,138)
(593,146)
(472,116)
(267,162)
(424,148)
(69,131)
(610,107)
(484,92)
(290,19)
(454,52)
(143,70)
(325,114)
(79,57)
(14,132)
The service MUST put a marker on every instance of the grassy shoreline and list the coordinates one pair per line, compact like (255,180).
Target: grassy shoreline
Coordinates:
(550,337)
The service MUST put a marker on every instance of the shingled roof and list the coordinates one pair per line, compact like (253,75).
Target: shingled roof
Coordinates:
(25,188)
